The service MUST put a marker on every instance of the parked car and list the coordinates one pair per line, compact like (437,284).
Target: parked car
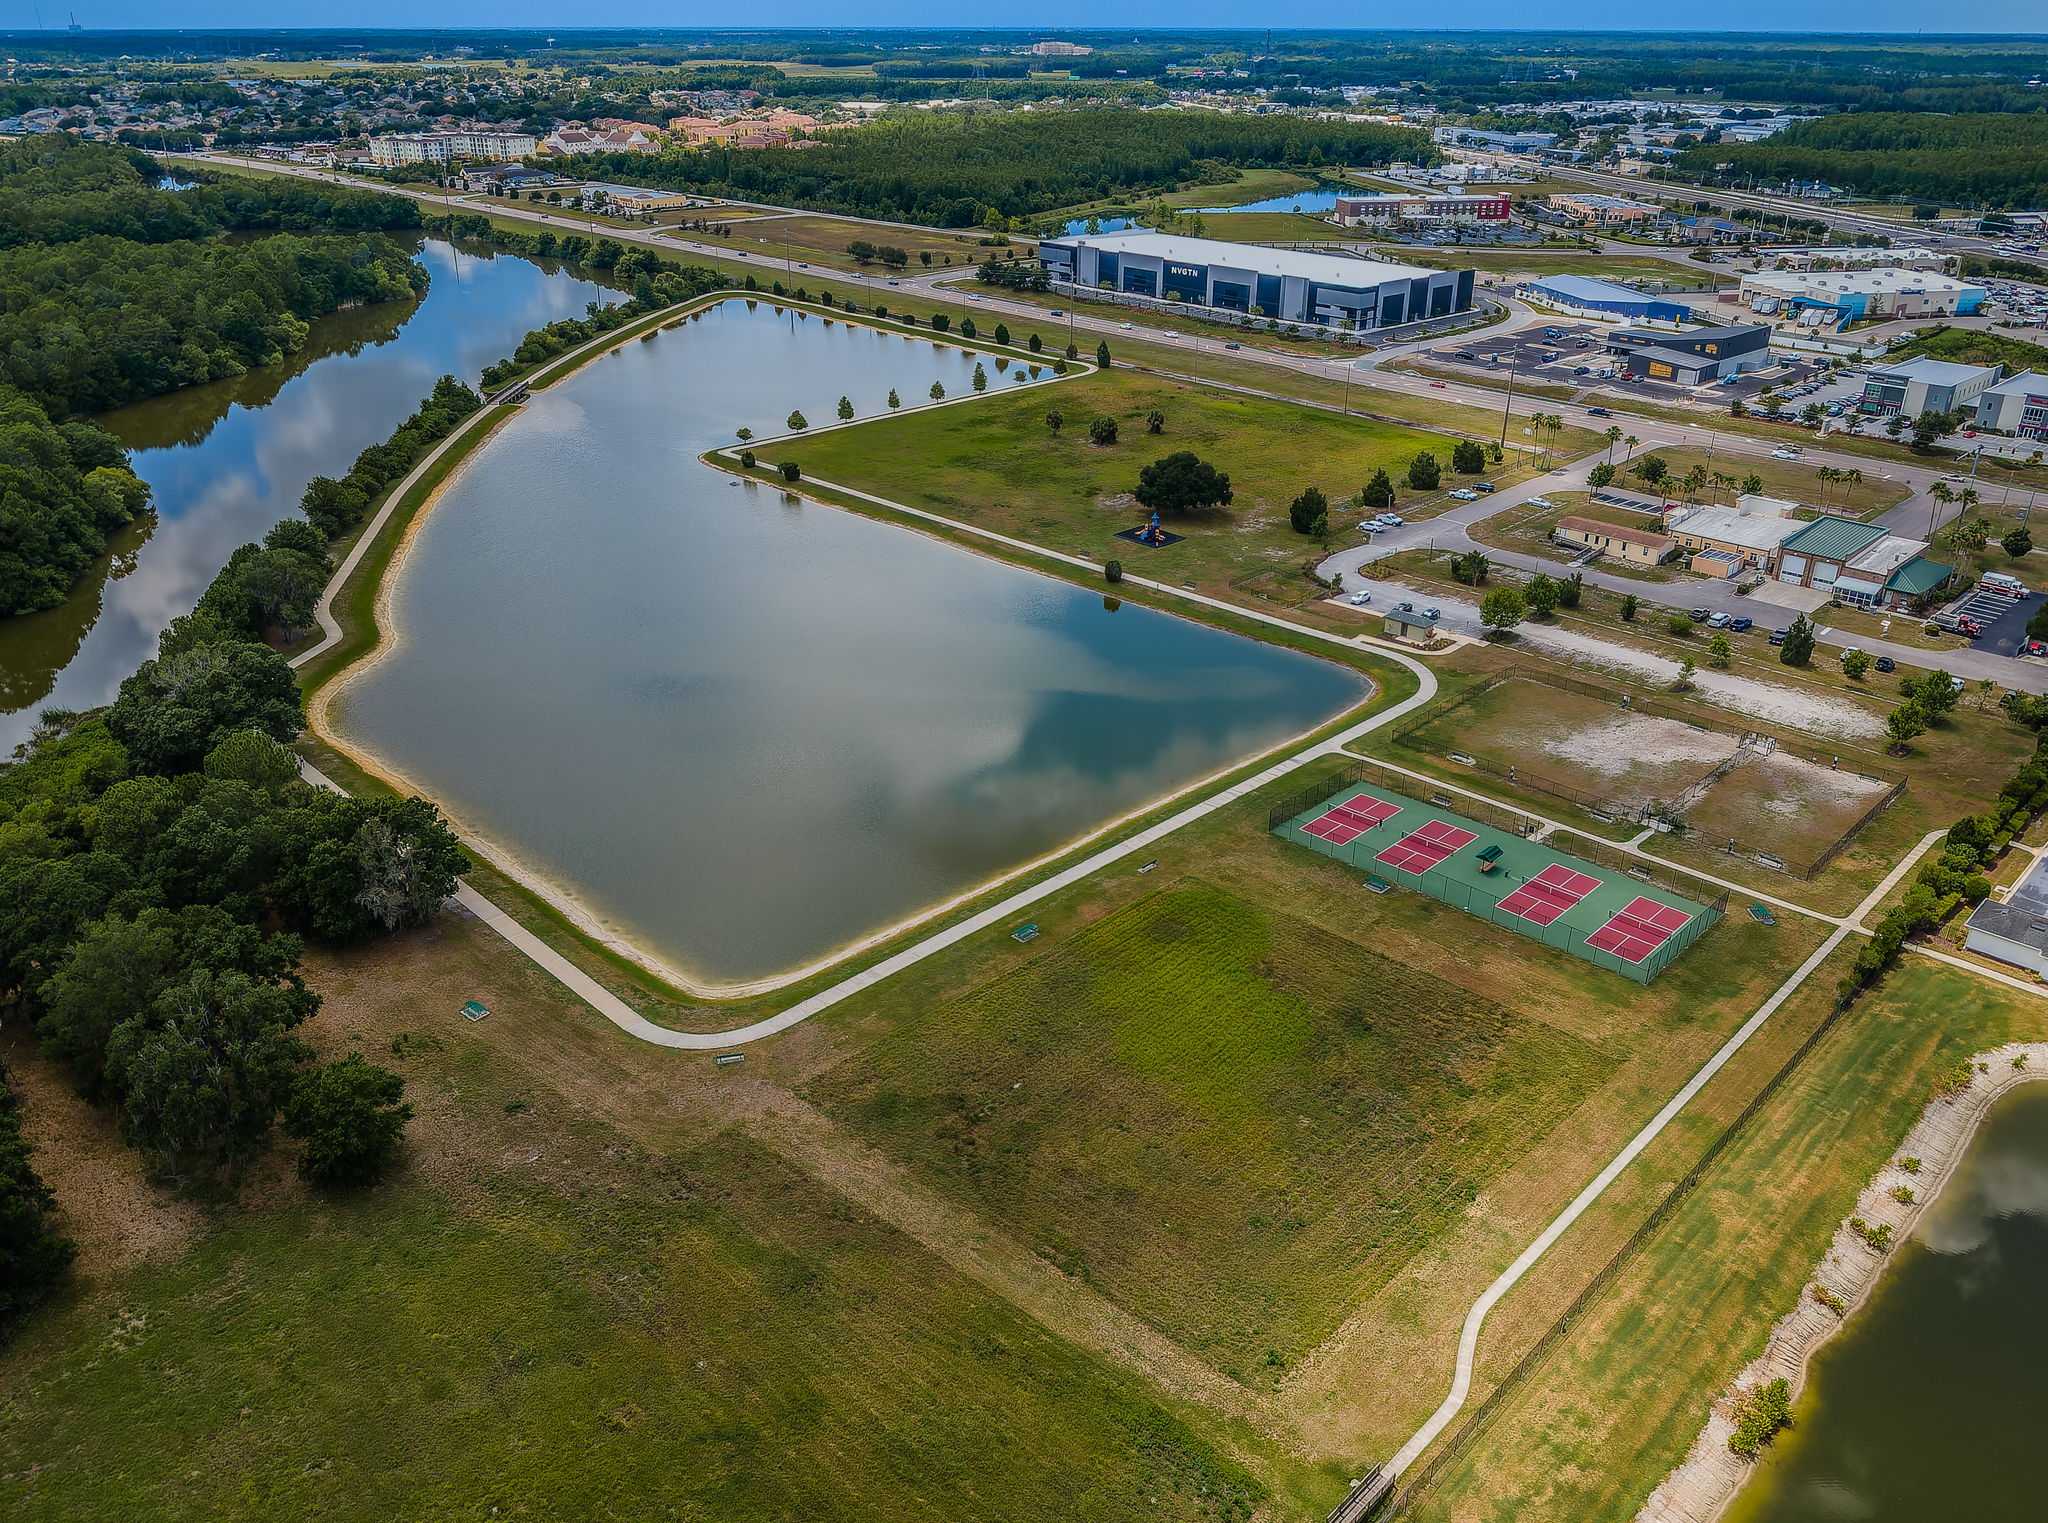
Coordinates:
(1778,636)
(1434,612)
(1360,599)
(1887,664)
(1485,486)
(1539,502)
(1582,370)
(1718,621)
(2034,648)
(1464,494)
(1700,615)
(1389,520)
(1740,623)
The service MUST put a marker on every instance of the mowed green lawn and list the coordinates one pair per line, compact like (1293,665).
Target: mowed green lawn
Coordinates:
(713,1336)
(1237,1123)
(995,464)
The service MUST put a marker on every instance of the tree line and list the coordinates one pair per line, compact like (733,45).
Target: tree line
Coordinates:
(63,489)
(951,170)
(58,188)
(1979,159)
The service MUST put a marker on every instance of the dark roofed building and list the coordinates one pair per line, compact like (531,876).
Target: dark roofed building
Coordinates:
(2014,929)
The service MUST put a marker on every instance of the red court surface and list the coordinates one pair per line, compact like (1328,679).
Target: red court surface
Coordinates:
(1638,929)
(1549,894)
(1345,822)
(1423,849)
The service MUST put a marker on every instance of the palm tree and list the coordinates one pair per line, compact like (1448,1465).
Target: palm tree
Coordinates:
(1694,480)
(1943,494)
(1721,480)
(1827,475)
(1628,446)
(1613,438)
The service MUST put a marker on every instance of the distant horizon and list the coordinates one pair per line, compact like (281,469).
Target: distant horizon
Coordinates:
(2000,18)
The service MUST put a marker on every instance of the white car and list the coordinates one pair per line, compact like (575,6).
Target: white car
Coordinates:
(1125,326)
(1465,494)
(1170,334)
(1389,520)
(1783,454)
(1360,599)
(1540,502)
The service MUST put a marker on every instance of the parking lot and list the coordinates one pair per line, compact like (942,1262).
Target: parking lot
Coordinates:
(2004,619)
(1578,355)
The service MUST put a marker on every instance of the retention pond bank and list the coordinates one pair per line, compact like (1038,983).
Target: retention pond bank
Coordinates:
(738,730)
(1932,1402)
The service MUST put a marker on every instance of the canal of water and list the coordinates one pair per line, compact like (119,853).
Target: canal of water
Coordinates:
(1928,1405)
(227,460)
(741,730)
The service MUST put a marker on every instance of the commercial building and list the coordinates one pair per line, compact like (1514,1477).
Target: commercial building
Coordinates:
(1728,542)
(1584,296)
(506,177)
(2014,929)
(1920,385)
(636,201)
(1831,257)
(1859,564)
(1392,207)
(1060,50)
(1505,142)
(1601,211)
(2018,405)
(1695,357)
(1631,546)
(1813,298)
(1282,284)
(447,147)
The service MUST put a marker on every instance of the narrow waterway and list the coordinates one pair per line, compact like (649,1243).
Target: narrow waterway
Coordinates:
(741,730)
(1931,1402)
(227,460)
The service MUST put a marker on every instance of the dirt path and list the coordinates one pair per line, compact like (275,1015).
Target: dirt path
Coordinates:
(821,1148)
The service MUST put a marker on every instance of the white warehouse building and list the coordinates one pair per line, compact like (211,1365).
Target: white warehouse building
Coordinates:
(1281,284)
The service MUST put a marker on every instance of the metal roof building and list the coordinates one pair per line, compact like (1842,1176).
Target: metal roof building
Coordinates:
(1602,298)
(2014,930)
(1282,284)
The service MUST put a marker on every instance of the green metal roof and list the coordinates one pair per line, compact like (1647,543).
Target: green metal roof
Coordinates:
(1834,539)
(1919,575)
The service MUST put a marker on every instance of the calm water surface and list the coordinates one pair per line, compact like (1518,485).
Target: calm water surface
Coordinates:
(1933,1402)
(229,459)
(743,730)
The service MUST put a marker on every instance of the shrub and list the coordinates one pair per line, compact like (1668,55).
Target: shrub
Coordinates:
(747,458)
(1102,431)
(1761,1414)
(1309,513)
(349,1114)
(1424,473)
(789,470)
(1112,572)
(1680,626)
(1630,603)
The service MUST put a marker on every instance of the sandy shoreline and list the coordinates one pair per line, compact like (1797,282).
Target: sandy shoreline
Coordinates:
(1707,1481)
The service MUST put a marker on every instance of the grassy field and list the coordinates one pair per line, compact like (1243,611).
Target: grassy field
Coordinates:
(1618,1400)
(998,466)
(1231,1121)
(1250,185)
(1789,479)
(1271,227)
(823,240)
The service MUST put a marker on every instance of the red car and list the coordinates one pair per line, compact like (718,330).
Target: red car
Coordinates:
(1439,385)
(2034,648)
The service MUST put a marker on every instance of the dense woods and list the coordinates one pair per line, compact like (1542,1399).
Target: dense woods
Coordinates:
(59,188)
(63,489)
(1984,159)
(948,171)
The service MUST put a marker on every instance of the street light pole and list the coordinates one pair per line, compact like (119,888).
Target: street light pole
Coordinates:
(1513,369)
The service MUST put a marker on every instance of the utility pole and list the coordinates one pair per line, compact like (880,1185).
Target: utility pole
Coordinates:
(1513,368)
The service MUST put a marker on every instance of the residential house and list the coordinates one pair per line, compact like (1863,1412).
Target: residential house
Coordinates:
(1860,564)
(1619,542)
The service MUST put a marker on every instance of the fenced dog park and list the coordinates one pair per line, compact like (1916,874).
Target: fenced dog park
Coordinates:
(1617,918)
(1773,797)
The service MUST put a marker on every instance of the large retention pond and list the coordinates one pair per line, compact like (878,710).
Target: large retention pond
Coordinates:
(1932,1402)
(227,460)
(741,730)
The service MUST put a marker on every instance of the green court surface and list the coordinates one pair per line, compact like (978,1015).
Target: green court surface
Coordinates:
(1607,916)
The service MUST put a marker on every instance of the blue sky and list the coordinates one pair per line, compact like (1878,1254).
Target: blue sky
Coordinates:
(1904,16)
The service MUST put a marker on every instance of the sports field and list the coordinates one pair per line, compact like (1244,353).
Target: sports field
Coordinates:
(1611,919)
